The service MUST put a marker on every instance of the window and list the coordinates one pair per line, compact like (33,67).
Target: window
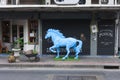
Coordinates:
(82,1)
(17,32)
(30,1)
(4,2)
(104,1)
(33,31)
(95,1)
(59,0)
(13,2)
(118,1)
(6,31)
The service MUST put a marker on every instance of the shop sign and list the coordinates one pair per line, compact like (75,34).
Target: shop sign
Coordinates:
(66,1)
(106,36)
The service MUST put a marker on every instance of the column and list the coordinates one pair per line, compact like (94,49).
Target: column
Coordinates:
(93,41)
(117,33)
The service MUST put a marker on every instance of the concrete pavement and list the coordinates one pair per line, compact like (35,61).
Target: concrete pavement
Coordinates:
(58,74)
(102,62)
(87,68)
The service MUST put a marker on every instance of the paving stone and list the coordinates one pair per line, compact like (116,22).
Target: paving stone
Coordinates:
(89,78)
(75,78)
(60,77)
(82,78)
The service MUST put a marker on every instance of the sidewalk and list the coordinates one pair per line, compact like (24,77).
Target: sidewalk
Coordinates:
(48,61)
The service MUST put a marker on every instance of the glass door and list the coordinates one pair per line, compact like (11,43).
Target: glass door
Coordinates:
(17,32)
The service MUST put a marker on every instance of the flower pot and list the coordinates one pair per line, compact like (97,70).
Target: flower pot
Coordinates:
(16,54)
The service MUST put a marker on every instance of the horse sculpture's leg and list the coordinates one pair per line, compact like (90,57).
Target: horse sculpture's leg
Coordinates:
(77,52)
(58,51)
(68,51)
(51,49)
(76,57)
(78,49)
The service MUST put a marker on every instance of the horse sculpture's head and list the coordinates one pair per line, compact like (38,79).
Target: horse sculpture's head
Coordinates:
(48,34)
(52,32)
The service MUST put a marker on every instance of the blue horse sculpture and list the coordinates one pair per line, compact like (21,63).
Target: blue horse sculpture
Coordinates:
(60,41)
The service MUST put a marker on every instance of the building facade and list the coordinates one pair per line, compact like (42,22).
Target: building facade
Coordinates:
(96,20)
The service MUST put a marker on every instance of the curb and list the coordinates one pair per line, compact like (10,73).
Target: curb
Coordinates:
(47,61)
(61,65)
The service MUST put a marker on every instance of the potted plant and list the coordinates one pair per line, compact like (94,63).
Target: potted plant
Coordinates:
(18,46)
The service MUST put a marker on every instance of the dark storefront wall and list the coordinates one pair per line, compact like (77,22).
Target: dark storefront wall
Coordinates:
(106,37)
(19,15)
(72,25)
(69,28)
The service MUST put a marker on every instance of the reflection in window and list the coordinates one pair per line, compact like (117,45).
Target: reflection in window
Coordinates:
(33,31)
(82,1)
(104,1)
(94,1)
(118,1)
(6,31)
(59,0)
(31,1)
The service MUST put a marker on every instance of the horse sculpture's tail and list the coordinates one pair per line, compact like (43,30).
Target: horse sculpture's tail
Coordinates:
(78,48)
(79,45)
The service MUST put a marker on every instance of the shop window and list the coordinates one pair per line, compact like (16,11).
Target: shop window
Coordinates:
(95,1)
(9,2)
(30,1)
(20,31)
(14,32)
(104,1)
(118,1)
(5,31)
(13,2)
(33,31)
(52,2)
(60,0)
(17,32)
(82,1)
(3,2)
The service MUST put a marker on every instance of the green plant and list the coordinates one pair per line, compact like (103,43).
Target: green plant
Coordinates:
(35,51)
(27,42)
(19,43)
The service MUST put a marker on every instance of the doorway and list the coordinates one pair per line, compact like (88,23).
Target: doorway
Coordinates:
(17,32)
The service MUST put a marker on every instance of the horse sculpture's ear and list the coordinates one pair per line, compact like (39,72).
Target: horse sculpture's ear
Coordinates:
(58,30)
(49,30)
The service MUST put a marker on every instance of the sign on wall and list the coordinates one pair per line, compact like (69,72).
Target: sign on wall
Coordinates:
(66,1)
(106,38)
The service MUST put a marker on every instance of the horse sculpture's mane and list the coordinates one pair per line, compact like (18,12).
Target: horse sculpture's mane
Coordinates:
(56,32)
